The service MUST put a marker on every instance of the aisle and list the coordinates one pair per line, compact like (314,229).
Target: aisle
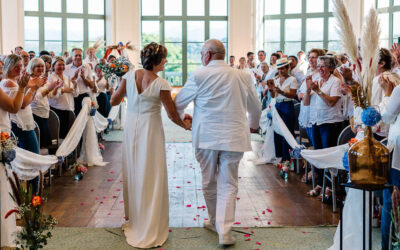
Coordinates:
(264,199)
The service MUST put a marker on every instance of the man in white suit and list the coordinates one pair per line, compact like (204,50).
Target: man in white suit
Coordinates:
(221,131)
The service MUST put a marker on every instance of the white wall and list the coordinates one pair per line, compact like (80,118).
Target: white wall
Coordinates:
(12,25)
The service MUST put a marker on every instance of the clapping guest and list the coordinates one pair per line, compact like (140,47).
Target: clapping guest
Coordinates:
(31,54)
(102,88)
(47,63)
(232,61)
(294,71)
(323,96)
(283,89)
(63,102)
(91,58)
(250,64)
(40,104)
(302,64)
(25,59)
(261,59)
(242,63)
(272,60)
(83,74)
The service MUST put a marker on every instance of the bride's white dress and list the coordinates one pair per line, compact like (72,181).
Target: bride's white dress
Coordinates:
(144,166)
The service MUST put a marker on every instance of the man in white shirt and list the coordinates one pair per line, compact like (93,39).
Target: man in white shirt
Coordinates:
(84,75)
(295,71)
(232,61)
(261,59)
(222,97)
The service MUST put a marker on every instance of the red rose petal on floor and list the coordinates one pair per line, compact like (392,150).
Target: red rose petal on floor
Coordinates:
(303,232)
(258,243)
(101,202)
(267,191)
(114,196)
(194,219)
(91,190)
(269,223)
(198,189)
(121,202)
(82,203)
(188,205)
(121,181)
(237,223)
(248,239)
(198,215)
(252,232)
(111,172)
(263,212)
(256,218)
(205,219)
(245,228)
(118,190)
(269,210)
(187,228)
(247,235)
(170,230)
(104,197)
(188,182)
(109,214)
(109,179)
(178,187)
(237,198)
(97,198)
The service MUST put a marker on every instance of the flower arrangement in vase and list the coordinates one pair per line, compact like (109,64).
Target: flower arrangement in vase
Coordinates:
(368,159)
(78,171)
(36,226)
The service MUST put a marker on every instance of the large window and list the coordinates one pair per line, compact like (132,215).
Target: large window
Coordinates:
(60,25)
(293,25)
(389,15)
(183,26)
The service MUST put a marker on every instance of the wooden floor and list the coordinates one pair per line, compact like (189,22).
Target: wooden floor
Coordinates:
(264,199)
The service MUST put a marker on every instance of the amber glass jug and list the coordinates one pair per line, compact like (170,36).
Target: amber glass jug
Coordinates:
(369,162)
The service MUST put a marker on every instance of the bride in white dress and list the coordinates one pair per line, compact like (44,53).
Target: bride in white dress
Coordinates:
(143,155)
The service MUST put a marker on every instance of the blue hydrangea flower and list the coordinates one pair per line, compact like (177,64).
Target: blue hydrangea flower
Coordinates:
(345,161)
(370,116)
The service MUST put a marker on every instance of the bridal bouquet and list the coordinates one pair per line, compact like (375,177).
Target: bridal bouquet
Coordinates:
(36,225)
(117,68)
(7,144)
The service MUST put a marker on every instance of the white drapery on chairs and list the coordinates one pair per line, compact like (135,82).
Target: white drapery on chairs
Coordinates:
(320,158)
(8,226)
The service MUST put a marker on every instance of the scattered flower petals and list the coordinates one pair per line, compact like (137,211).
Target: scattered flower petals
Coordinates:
(248,239)
(104,197)
(111,172)
(82,203)
(121,202)
(189,182)
(198,215)
(97,198)
(170,230)
(101,202)
(188,205)
(118,190)
(201,207)
(205,219)
(269,223)
(178,187)
(263,212)
(256,218)
(258,243)
(269,210)
(252,232)
(237,223)
(247,235)
(303,232)
(194,219)
(109,180)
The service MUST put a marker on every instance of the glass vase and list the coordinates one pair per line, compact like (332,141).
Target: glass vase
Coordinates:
(369,162)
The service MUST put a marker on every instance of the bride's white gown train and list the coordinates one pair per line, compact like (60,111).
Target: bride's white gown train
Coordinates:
(144,166)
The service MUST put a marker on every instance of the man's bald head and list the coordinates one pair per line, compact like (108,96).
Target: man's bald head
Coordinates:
(213,49)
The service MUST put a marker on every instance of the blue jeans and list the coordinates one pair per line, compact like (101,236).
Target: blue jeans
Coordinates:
(287,113)
(309,135)
(325,136)
(27,140)
(387,207)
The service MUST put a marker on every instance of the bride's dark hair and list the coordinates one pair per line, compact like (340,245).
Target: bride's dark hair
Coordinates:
(152,54)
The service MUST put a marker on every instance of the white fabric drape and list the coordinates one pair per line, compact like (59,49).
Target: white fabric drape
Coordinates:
(8,226)
(100,122)
(114,112)
(321,158)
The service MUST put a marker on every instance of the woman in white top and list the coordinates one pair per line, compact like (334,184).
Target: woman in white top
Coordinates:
(8,105)
(390,110)
(63,102)
(283,89)
(242,63)
(323,97)
(143,155)
(40,104)
(102,98)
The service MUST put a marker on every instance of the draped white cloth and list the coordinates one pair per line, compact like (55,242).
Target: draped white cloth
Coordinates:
(114,112)
(100,122)
(8,226)
(321,158)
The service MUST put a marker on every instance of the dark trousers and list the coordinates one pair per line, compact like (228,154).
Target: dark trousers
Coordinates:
(43,124)
(287,113)
(104,104)
(63,116)
(387,207)
(78,102)
(27,140)
(325,136)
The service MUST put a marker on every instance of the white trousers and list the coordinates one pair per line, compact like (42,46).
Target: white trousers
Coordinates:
(220,186)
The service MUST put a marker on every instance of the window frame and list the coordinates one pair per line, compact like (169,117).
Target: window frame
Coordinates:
(304,16)
(184,18)
(391,9)
(64,15)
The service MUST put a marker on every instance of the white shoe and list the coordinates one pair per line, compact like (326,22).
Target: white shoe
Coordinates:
(208,225)
(227,240)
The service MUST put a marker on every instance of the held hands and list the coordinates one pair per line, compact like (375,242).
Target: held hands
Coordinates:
(309,83)
(188,122)
(76,75)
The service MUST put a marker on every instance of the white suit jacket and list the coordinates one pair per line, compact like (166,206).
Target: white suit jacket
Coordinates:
(222,96)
